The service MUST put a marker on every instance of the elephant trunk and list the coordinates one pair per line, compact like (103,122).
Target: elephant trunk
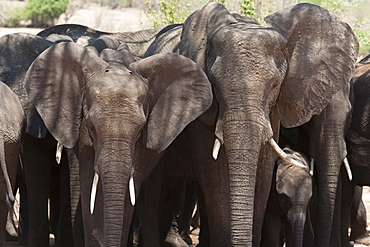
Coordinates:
(296,222)
(114,171)
(242,146)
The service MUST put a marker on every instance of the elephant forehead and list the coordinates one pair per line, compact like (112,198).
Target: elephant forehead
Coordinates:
(239,38)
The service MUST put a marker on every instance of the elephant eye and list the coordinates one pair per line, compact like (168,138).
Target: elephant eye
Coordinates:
(131,73)
(106,71)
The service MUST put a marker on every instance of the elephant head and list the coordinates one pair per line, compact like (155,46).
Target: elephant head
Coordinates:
(104,104)
(286,72)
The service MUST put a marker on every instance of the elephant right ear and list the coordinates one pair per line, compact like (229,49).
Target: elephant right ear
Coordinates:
(54,83)
(196,31)
(322,52)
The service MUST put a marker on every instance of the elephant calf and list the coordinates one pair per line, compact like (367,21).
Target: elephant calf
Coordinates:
(12,121)
(288,201)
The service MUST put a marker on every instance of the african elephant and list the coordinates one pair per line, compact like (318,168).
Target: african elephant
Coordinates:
(141,43)
(357,142)
(288,203)
(17,52)
(264,76)
(138,42)
(12,126)
(113,109)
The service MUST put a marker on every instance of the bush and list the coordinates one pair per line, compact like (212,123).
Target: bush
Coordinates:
(41,13)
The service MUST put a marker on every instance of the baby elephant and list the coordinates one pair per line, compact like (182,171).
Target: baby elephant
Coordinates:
(12,123)
(288,203)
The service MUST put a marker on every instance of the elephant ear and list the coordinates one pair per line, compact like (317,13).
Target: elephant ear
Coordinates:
(179,92)
(54,83)
(322,51)
(199,27)
(17,52)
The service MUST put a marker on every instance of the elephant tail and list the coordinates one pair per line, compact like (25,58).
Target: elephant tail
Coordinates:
(10,196)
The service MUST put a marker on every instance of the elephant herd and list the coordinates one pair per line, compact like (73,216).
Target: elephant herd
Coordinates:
(209,100)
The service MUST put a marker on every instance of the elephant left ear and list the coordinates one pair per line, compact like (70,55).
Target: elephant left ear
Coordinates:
(322,52)
(179,92)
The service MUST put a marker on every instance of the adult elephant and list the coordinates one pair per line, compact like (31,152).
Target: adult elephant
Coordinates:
(12,125)
(112,109)
(138,42)
(358,140)
(17,52)
(295,71)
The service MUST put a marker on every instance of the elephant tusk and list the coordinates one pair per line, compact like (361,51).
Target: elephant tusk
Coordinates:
(283,155)
(93,192)
(58,155)
(312,163)
(132,191)
(216,148)
(348,168)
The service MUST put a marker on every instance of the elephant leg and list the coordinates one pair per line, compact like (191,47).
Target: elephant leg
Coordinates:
(36,167)
(171,212)
(213,179)
(64,226)
(12,161)
(54,200)
(23,224)
(148,208)
(204,235)
(273,222)
(328,148)
(359,234)
(187,212)
(92,222)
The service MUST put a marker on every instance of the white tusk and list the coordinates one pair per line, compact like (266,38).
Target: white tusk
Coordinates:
(216,148)
(312,163)
(58,155)
(93,192)
(348,168)
(132,191)
(283,155)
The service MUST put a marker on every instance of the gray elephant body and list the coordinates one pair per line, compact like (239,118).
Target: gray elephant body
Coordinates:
(112,115)
(263,76)
(288,203)
(358,140)
(12,126)
(18,51)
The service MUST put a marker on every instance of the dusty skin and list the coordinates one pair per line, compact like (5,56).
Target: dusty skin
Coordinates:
(110,27)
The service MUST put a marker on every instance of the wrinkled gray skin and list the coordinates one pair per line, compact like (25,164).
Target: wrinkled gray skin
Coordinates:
(358,139)
(12,126)
(239,55)
(112,110)
(295,71)
(288,203)
(18,51)
(138,42)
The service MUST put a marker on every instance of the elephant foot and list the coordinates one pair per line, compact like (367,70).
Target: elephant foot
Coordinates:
(363,240)
(174,239)
(187,239)
(185,235)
